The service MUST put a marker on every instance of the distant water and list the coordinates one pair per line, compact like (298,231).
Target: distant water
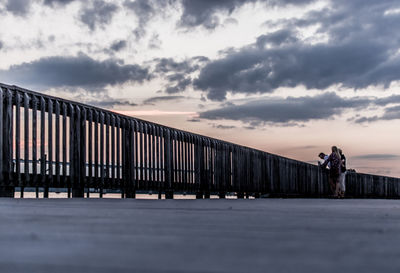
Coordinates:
(112,195)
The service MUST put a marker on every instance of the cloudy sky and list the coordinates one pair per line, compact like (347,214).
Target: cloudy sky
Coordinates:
(291,77)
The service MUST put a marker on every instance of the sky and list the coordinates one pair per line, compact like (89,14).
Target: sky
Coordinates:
(290,77)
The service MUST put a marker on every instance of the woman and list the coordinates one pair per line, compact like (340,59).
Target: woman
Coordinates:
(334,171)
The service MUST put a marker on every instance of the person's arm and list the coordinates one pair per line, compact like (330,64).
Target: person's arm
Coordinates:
(323,166)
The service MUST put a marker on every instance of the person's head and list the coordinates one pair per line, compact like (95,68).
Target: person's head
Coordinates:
(335,150)
(340,151)
(321,155)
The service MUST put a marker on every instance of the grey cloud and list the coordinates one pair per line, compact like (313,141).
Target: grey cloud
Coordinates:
(360,52)
(165,65)
(118,45)
(98,14)
(194,120)
(390,113)
(18,7)
(365,119)
(77,71)
(287,111)
(154,100)
(1,45)
(223,127)
(377,157)
(255,70)
(110,103)
(155,42)
(180,85)
(277,38)
(57,2)
(144,10)
(387,100)
(178,73)
(205,13)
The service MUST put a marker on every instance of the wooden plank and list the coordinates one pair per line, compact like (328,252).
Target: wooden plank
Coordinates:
(132,159)
(153,157)
(26,140)
(72,169)
(96,118)
(149,158)
(8,138)
(90,151)
(34,143)
(118,148)
(43,159)
(2,135)
(137,159)
(113,149)
(50,142)
(57,140)
(82,146)
(18,140)
(77,187)
(102,174)
(162,158)
(64,147)
(141,154)
(145,163)
(107,148)
(168,164)
(158,155)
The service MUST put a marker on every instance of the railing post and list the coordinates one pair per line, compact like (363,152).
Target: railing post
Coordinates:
(197,180)
(130,188)
(77,187)
(6,143)
(169,191)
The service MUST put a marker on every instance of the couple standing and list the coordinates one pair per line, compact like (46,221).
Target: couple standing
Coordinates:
(336,162)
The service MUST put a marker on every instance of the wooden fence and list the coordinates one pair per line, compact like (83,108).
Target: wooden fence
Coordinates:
(48,142)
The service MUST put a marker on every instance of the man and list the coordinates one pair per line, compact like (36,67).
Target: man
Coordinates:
(325,164)
(342,178)
(324,157)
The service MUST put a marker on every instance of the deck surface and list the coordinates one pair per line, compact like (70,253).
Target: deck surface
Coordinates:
(265,235)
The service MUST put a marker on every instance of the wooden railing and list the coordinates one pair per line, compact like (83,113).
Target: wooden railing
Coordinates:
(48,142)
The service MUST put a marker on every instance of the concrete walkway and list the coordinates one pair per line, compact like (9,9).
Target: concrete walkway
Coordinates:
(269,235)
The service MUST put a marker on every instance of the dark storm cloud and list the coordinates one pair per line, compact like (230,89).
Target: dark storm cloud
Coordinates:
(118,45)
(289,110)
(361,51)
(205,13)
(377,157)
(98,14)
(79,71)
(154,100)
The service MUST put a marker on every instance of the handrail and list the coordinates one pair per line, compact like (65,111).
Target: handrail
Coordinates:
(90,147)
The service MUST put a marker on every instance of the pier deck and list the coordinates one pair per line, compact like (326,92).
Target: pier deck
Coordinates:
(267,235)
